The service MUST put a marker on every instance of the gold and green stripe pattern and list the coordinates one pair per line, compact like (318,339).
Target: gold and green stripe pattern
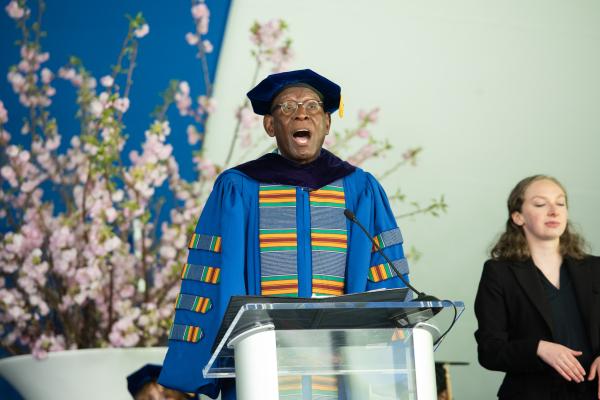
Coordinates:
(398,335)
(380,272)
(201,273)
(328,196)
(279,285)
(290,387)
(277,196)
(387,239)
(329,240)
(324,387)
(186,333)
(205,242)
(321,387)
(327,285)
(278,239)
(190,302)
(379,240)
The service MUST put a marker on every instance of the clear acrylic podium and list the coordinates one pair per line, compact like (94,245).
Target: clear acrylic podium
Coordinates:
(365,350)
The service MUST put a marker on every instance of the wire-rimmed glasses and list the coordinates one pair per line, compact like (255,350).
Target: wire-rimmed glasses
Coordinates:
(290,107)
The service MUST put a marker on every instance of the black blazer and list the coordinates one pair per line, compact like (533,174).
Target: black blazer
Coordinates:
(514,315)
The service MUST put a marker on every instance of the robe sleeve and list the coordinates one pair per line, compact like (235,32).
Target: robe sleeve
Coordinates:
(214,272)
(388,236)
(374,211)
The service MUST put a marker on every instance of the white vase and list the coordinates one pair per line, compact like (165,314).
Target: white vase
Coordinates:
(78,374)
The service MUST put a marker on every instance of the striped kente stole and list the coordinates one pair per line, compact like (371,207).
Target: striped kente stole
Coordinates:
(320,387)
(328,239)
(278,242)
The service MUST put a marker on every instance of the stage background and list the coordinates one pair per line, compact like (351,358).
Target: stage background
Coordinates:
(492,91)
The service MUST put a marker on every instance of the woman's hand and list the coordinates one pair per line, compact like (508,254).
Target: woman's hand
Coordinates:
(563,360)
(595,373)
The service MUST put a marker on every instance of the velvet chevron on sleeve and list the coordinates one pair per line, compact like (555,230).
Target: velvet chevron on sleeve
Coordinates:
(367,269)
(214,272)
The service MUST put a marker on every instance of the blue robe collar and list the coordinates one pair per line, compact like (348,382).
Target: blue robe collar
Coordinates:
(276,169)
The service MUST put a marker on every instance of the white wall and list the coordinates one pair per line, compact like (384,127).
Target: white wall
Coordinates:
(493,91)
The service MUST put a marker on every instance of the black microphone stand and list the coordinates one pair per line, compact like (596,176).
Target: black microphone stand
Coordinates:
(421,296)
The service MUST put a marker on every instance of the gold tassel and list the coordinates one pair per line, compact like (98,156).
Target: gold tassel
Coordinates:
(341,110)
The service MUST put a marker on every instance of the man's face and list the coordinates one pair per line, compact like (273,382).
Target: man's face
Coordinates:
(299,135)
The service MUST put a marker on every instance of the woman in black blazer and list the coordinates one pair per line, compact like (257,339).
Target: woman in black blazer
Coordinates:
(538,302)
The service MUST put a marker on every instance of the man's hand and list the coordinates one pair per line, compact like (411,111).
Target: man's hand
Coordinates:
(595,373)
(562,359)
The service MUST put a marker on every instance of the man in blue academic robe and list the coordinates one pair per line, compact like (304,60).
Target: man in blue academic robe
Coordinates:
(276,226)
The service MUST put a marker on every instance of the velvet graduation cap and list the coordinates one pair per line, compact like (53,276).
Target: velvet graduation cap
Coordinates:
(263,94)
(136,381)
(148,374)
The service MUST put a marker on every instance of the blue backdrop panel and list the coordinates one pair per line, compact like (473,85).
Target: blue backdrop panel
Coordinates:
(93,31)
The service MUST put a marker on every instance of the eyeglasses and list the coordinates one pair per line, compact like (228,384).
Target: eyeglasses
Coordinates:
(290,107)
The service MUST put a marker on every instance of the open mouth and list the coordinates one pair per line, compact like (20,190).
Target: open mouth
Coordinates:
(301,136)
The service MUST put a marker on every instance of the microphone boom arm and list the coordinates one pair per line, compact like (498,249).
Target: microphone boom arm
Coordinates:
(421,296)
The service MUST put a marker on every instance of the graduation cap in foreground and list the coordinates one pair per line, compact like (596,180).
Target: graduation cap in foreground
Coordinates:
(148,374)
(263,94)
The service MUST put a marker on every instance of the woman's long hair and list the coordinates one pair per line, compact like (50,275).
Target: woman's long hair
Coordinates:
(512,244)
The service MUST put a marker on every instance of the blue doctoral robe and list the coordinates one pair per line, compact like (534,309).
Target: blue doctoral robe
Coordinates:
(227,238)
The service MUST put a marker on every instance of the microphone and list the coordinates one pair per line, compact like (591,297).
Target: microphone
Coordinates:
(421,296)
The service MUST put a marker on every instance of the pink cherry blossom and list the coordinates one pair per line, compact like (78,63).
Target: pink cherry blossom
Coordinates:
(183,101)
(363,133)
(200,10)
(66,73)
(245,139)
(168,252)
(207,104)
(201,14)
(184,87)
(101,248)
(193,135)
(47,76)
(192,39)
(121,104)
(4,136)
(9,174)
(42,57)
(117,196)
(17,81)
(208,168)
(111,214)
(370,116)
(208,47)
(107,81)
(14,11)
(374,115)
(330,140)
(142,31)
(268,33)
(248,119)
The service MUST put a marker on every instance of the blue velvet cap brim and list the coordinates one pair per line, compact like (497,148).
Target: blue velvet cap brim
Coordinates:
(263,94)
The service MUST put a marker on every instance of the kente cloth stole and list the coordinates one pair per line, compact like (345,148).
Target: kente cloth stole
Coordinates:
(279,244)
(316,387)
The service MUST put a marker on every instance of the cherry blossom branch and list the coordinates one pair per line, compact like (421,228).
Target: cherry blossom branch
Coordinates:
(238,124)
(409,157)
